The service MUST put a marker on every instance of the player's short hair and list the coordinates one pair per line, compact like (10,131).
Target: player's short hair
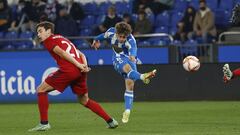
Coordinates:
(123,28)
(46,25)
(204,1)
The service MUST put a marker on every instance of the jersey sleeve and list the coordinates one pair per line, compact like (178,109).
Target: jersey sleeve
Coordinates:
(132,46)
(105,35)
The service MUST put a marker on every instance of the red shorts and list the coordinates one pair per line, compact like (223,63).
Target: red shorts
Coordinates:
(60,80)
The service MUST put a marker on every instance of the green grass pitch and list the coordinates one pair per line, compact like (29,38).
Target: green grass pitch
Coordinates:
(147,118)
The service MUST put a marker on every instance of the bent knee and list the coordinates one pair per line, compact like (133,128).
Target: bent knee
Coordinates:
(127,68)
(83,99)
(40,90)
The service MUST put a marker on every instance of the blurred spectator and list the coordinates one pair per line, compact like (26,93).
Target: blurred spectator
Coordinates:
(52,9)
(204,25)
(75,10)
(65,25)
(143,24)
(110,20)
(159,6)
(186,24)
(34,9)
(145,5)
(5,15)
(20,19)
(127,18)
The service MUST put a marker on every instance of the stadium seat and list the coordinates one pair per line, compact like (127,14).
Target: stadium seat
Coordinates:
(180,5)
(1,35)
(90,8)
(122,7)
(151,17)
(222,18)
(159,41)
(25,44)
(177,43)
(9,36)
(85,32)
(162,29)
(8,47)
(88,22)
(213,4)
(195,4)
(226,5)
(189,48)
(134,17)
(99,20)
(81,44)
(144,43)
(173,30)
(162,19)
(236,2)
(175,18)
(103,7)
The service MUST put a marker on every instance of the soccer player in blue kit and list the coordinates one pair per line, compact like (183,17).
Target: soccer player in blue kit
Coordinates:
(124,60)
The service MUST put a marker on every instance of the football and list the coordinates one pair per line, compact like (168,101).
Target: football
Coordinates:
(191,63)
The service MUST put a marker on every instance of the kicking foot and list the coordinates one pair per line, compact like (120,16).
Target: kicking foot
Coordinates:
(113,124)
(227,73)
(148,76)
(125,117)
(41,127)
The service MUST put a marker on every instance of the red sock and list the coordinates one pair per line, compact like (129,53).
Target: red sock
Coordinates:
(96,108)
(43,106)
(236,72)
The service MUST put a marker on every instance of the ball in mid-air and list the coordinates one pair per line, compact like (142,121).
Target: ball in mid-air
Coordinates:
(191,63)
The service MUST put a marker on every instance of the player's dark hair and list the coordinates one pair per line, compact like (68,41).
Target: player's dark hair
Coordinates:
(46,25)
(204,1)
(123,28)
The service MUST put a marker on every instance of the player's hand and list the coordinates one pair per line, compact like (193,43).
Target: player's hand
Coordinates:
(96,44)
(132,58)
(83,67)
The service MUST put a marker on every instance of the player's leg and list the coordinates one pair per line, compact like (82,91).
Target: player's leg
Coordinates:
(43,105)
(228,74)
(96,108)
(79,87)
(58,81)
(133,74)
(128,98)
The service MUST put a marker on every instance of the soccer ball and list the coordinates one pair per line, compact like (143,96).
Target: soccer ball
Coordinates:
(191,63)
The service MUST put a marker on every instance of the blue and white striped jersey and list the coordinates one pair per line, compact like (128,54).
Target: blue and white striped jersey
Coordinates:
(129,47)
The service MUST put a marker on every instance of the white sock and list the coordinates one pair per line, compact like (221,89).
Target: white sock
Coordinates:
(142,77)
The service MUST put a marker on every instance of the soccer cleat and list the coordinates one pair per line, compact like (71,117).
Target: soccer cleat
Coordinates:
(41,127)
(113,124)
(227,73)
(148,76)
(125,117)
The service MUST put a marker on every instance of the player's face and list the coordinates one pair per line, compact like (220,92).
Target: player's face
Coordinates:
(121,38)
(43,34)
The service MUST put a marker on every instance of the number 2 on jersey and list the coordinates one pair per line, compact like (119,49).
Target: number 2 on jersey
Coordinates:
(70,46)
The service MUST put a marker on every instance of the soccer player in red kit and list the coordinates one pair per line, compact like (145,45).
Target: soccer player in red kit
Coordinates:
(235,20)
(72,72)
(228,74)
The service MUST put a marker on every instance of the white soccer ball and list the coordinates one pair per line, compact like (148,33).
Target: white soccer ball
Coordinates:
(191,63)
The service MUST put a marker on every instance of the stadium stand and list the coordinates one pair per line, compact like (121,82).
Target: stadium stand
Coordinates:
(95,11)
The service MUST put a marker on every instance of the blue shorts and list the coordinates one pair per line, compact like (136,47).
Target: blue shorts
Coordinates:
(119,61)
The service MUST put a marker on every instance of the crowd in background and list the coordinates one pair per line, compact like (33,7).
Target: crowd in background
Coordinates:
(194,23)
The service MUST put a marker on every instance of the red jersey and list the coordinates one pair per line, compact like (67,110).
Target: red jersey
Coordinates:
(66,45)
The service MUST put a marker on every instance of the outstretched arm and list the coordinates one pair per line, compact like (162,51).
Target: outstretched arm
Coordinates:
(96,41)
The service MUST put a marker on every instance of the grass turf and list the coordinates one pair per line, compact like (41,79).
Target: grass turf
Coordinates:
(147,118)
